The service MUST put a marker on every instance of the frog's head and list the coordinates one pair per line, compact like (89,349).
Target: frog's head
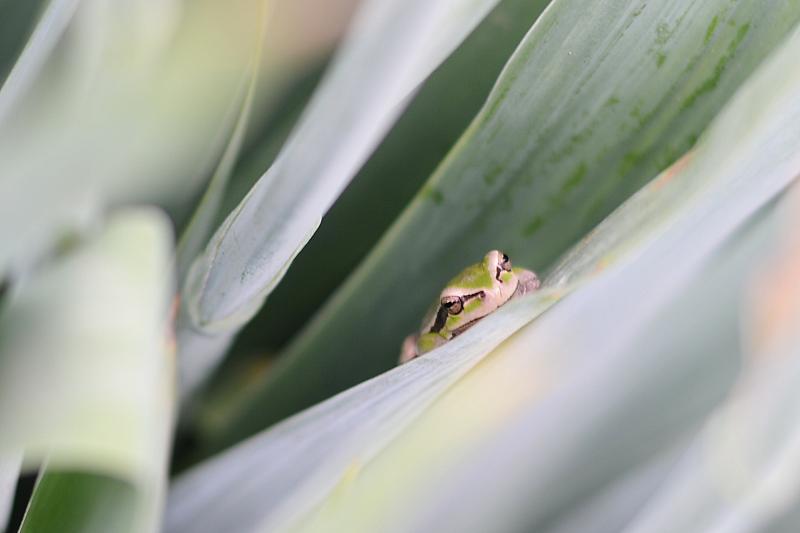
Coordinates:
(474,293)
(477,291)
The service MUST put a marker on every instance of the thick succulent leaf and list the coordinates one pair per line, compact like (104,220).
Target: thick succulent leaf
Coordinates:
(616,372)
(116,98)
(598,97)
(609,358)
(85,370)
(393,46)
(81,502)
(10,464)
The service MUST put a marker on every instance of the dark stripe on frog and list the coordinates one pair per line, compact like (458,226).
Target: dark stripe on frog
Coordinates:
(441,318)
(441,315)
(461,329)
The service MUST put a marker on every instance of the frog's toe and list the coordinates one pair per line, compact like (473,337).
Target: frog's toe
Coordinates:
(528,281)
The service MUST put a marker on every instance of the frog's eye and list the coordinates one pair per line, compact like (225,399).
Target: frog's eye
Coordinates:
(505,263)
(453,304)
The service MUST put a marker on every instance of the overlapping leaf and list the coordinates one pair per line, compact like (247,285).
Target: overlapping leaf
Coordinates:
(598,97)
(604,358)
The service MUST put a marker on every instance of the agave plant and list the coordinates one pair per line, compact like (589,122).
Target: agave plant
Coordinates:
(220,220)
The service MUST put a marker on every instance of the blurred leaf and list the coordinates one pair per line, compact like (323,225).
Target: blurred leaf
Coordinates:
(610,509)
(393,47)
(623,358)
(435,118)
(85,376)
(585,111)
(67,502)
(47,31)
(738,474)
(9,472)
(117,110)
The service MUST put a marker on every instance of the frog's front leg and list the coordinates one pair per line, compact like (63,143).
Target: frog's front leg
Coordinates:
(409,349)
(416,345)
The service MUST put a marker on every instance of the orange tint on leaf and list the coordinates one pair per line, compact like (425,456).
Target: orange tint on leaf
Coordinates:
(676,168)
(777,290)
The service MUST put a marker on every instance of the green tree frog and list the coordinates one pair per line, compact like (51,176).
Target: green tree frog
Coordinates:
(476,292)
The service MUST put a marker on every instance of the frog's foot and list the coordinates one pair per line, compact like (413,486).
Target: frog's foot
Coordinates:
(409,349)
(528,282)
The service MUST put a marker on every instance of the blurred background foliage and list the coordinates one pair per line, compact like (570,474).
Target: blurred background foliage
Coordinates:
(220,219)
